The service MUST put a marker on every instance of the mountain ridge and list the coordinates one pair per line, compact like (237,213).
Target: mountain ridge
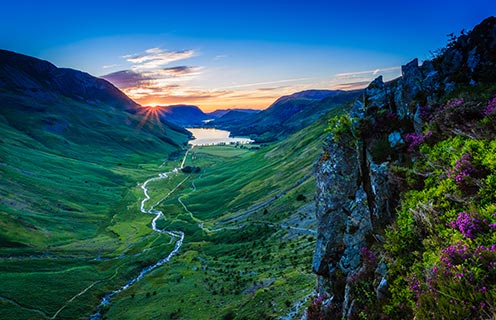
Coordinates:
(40,79)
(287,114)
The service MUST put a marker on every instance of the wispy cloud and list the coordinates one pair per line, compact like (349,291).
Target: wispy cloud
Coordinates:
(150,76)
(371,73)
(272,88)
(156,58)
(351,85)
(255,84)
(220,56)
(110,66)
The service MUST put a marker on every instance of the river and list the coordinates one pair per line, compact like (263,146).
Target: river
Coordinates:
(176,235)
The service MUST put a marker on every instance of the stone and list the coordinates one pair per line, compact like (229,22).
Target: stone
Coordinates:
(473,59)
(375,94)
(358,110)
(395,139)
(417,120)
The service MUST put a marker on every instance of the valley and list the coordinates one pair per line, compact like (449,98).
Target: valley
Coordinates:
(247,160)
(248,226)
(242,249)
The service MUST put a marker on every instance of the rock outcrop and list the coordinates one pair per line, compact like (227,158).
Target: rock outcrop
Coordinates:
(356,198)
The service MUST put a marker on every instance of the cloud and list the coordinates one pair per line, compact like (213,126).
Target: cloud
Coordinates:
(220,56)
(150,75)
(152,79)
(126,79)
(110,66)
(272,88)
(370,73)
(154,50)
(245,85)
(352,85)
(156,58)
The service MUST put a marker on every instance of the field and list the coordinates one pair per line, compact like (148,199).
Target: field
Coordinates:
(248,218)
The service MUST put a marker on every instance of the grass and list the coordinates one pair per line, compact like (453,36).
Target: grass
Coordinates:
(63,208)
(256,271)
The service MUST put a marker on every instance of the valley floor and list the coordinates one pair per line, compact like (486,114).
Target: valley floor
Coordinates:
(249,234)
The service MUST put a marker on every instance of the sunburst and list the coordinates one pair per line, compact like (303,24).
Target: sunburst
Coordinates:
(152,116)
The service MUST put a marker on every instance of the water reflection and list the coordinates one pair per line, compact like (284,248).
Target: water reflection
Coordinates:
(204,136)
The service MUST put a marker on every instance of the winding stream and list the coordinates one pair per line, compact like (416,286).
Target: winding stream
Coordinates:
(178,235)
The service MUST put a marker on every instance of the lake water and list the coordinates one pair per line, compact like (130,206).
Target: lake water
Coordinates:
(205,137)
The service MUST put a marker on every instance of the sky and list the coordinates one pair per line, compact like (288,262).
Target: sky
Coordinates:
(234,54)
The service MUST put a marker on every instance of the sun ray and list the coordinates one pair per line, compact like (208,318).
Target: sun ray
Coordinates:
(149,115)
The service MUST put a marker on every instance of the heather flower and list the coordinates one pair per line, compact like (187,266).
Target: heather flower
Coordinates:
(455,103)
(491,107)
(416,139)
(468,224)
(455,254)
(425,112)
(367,255)
(462,170)
(316,310)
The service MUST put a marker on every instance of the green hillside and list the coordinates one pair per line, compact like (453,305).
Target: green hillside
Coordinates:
(249,223)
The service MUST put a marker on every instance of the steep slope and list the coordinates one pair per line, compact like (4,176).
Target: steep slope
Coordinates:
(288,114)
(44,82)
(72,228)
(401,181)
(183,115)
(219,113)
(248,218)
(72,147)
(233,118)
(65,133)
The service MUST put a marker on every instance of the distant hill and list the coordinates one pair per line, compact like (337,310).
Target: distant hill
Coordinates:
(183,115)
(193,116)
(286,115)
(219,113)
(234,118)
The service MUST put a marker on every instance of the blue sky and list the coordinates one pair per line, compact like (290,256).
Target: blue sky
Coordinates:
(218,54)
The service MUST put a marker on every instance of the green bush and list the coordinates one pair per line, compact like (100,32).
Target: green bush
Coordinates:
(441,251)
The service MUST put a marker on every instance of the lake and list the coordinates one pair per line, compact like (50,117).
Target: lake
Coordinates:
(208,136)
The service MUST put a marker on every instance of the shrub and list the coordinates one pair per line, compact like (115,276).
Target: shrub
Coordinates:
(343,129)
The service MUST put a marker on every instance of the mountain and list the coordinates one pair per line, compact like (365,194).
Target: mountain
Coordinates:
(192,116)
(44,82)
(183,115)
(260,201)
(72,184)
(69,142)
(219,113)
(406,191)
(287,114)
(233,118)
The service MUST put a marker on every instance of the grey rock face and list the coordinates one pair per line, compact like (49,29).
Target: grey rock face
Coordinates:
(376,94)
(411,85)
(333,204)
(355,198)
(395,139)
(349,208)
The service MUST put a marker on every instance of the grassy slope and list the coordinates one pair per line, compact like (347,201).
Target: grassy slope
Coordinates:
(75,201)
(254,272)
(60,195)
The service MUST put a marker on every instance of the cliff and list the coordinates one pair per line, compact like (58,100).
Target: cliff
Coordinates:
(359,190)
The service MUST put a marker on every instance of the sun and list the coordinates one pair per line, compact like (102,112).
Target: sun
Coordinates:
(151,114)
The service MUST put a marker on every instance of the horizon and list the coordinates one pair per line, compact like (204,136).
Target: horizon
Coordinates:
(223,56)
